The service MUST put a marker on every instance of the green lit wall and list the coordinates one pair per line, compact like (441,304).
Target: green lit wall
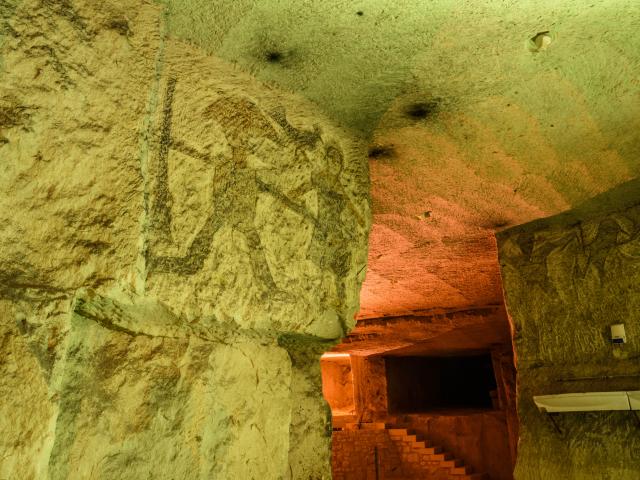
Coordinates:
(567,279)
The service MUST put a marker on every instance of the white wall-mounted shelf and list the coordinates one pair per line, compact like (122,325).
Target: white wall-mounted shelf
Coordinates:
(628,401)
(634,400)
(587,402)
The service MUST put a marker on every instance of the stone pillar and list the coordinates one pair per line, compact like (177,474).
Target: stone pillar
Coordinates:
(505,373)
(337,384)
(370,388)
(179,246)
(567,279)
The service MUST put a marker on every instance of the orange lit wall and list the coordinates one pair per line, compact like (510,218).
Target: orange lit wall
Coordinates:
(337,383)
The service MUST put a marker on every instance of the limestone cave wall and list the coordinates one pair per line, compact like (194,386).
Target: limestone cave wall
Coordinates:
(179,245)
(567,279)
(337,384)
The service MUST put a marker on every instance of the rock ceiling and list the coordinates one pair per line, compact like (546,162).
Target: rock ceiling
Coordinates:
(478,115)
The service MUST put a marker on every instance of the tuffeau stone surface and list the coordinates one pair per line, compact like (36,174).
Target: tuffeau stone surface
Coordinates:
(567,279)
(180,244)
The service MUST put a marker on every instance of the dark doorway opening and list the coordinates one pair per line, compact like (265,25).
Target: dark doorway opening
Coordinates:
(422,384)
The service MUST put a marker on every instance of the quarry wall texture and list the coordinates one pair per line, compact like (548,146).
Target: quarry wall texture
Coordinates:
(567,279)
(179,245)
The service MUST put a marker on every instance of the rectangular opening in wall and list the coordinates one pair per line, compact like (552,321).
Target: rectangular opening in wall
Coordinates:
(422,384)
(337,383)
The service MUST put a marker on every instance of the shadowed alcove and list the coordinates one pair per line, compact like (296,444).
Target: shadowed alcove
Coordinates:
(422,384)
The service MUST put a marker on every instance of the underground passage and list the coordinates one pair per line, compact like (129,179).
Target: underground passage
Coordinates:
(418,384)
(428,396)
(313,240)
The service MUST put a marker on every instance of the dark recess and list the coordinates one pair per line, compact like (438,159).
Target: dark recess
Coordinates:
(422,384)
(381,151)
(421,110)
(273,57)
(120,25)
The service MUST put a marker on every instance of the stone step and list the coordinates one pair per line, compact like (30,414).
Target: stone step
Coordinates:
(462,470)
(458,469)
(441,457)
(421,444)
(453,463)
(475,476)
(431,450)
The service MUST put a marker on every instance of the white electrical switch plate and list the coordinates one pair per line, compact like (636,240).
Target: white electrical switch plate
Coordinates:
(618,335)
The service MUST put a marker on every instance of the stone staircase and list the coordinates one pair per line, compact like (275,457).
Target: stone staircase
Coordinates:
(431,457)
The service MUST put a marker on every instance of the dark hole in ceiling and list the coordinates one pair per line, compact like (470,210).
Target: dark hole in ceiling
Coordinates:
(381,151)
(421,110)
(273,56)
